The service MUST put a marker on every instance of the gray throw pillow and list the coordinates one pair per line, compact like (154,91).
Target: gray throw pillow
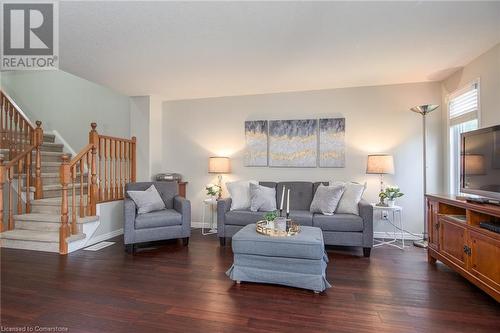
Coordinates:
(326,199)
(147,201)
(350,199)
(262,198)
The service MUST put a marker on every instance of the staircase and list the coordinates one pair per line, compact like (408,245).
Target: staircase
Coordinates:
(49,199)
(39,229)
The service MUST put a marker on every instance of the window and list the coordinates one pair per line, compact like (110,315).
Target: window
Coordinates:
(463,116)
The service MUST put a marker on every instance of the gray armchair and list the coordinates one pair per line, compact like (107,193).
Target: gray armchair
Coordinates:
(170,223)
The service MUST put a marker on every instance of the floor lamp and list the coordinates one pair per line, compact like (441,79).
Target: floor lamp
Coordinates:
(424,110)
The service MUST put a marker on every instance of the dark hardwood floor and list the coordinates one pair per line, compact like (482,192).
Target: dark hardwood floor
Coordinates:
(171,288)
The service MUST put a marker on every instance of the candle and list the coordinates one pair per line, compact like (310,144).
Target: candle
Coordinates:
(288,202)
(282,198)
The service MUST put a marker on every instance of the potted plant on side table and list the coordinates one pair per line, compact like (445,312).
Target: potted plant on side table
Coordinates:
(390,194)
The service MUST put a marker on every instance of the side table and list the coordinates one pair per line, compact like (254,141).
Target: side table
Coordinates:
(395,218)
(212,227)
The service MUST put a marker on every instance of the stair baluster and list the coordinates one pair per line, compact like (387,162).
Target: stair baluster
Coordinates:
(64,230)
(37,141)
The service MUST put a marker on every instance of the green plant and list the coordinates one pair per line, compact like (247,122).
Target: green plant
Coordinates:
(391,193)
(212,189)
(271,216)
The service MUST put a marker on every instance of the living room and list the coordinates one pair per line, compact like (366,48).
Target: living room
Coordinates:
(252,166)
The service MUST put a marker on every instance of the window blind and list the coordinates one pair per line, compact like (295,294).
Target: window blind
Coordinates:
(463,104)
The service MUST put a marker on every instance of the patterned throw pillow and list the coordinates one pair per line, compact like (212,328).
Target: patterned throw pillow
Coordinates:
(326,199)
(262,198)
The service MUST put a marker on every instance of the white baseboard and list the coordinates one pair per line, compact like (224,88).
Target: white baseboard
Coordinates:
(104,237)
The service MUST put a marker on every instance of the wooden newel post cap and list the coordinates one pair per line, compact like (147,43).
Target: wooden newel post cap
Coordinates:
(94,126)
(38,123)
(65,158)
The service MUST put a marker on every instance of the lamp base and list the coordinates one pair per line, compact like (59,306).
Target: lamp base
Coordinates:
(421,243)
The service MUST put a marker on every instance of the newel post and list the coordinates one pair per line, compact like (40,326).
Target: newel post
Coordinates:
(64,230)
(2,181)
(38,140)
(94,191)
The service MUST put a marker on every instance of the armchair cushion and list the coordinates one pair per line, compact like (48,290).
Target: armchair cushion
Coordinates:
(161,218)
(338,222)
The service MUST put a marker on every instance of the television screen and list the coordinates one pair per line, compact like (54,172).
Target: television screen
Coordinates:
(480,165)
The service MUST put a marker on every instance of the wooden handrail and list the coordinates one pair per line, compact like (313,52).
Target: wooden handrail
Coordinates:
(21,139)
(109,163)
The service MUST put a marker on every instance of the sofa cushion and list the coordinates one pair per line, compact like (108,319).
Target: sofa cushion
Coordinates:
(243,217)
(301,194)
(160,218)
(338,222)
(167,190)
(302,217)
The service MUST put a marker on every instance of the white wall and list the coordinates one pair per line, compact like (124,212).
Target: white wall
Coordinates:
(486,67)
(139,127)
(146,126)
(378,120)
(68,104)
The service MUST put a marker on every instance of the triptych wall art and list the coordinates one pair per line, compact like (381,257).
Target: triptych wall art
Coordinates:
(305,143)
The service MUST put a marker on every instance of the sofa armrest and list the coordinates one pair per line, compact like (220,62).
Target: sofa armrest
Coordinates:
(366,213)
(223,206)
(183,206)
(129,214)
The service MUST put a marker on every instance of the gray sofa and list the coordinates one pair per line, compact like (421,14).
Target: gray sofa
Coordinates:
(170,223)
(338,229)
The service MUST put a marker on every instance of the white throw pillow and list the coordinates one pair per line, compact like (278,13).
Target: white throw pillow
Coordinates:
(262,198)
(326,199)
(147,201)
(350,199)
(239,192)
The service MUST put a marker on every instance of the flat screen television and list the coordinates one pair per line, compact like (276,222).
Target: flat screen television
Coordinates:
(480,162)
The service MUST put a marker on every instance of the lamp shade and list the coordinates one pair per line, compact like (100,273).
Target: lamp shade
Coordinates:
(380,164)
(474,165)
(219,165)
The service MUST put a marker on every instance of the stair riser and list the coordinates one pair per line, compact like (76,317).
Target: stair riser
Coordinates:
(49,168)
(46,209)
(58,193)
(29,245)
(39,226)
(55,180)
(58,149)
(49,138)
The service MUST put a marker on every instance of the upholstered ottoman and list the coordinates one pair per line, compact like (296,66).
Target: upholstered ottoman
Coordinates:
(297,261)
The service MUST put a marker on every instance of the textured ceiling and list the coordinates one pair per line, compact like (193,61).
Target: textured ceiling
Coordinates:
(188,50)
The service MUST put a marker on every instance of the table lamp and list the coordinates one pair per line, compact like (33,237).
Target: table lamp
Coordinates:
(380,164)
(219,165)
